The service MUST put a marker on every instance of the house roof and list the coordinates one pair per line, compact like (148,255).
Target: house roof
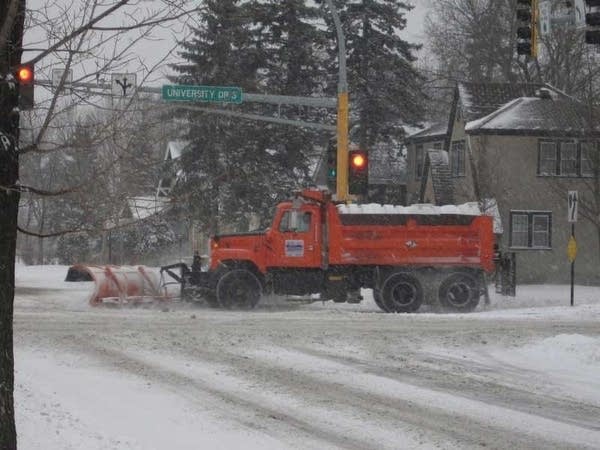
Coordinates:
(549,116)
(437,167)
(434,132)
(477,100)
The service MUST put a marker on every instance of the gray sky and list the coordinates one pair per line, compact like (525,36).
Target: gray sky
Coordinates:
(415,19)
(149,51)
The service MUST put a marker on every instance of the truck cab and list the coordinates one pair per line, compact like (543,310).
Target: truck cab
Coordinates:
(287,258)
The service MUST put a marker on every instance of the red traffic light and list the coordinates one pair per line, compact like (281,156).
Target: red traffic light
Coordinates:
(24,74)
(24,77)
(358,172)
(358,160)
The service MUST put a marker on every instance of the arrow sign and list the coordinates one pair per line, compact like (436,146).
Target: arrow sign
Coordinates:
(122,84)
(573,200)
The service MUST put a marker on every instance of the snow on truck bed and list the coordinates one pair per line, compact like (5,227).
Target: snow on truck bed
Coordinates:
(467,209)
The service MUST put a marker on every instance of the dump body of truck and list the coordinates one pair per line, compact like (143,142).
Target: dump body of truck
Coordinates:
(407,255)
(419,235)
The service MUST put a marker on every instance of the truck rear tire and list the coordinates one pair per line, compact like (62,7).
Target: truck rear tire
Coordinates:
(460,292)
(238,288)
(379,301)
(401,293)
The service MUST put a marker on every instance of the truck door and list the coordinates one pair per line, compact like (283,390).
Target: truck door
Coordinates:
(297,244)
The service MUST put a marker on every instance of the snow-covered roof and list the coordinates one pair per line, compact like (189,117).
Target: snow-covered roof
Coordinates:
(434,131)
(554,115)
(437,168)
(481,99)
(466,209)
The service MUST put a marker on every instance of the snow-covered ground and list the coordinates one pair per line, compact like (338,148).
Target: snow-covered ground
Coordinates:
(523,372)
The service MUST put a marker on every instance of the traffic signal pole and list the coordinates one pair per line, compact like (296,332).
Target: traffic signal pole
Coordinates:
(527,29)
(342,147)
(343,110)
(535,13)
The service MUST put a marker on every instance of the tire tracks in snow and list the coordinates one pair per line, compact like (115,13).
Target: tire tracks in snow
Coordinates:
(507,427)
(233,405)
(434,424)
(469,379)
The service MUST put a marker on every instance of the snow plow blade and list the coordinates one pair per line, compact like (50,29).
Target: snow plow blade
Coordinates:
(119,284)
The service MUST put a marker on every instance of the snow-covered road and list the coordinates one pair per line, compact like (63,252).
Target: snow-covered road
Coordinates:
(524,373)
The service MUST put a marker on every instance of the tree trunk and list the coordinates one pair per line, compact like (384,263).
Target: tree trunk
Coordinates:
(9,204)
(12,13)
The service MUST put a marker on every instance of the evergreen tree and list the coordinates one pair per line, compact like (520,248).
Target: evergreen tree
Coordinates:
(292,45)
(220,53)
(293,62)
(237,167)
(386,90)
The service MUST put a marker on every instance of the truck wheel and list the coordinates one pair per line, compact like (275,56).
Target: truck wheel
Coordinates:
(460,292)
(340,296)
(238,288)
(196,296)
(401,293)
(379,301)
(211,299)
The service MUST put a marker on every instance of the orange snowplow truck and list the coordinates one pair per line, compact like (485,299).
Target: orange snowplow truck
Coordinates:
(407,255)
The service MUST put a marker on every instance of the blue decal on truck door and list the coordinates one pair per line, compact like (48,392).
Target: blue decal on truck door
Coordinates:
(294,247)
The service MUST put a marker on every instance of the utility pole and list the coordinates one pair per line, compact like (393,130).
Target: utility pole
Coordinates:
(343,110)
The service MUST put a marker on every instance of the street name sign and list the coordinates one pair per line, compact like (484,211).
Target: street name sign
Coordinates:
(215,94)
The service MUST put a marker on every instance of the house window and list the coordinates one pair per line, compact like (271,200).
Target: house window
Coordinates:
(530,229)
(519,230)
(419,161)
(589,150)
(540,234)
(437,146)
(566,158)
(457,164)
(547,158)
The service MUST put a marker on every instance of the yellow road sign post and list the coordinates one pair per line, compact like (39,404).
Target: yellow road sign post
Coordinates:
(572,249)
(572,207)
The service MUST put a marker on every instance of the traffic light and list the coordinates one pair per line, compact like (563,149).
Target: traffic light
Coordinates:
(358,172)
(527,27)
(332,166)
(24,76)
(592,22)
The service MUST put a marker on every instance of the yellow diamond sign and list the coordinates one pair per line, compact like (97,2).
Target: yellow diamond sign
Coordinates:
(572,249)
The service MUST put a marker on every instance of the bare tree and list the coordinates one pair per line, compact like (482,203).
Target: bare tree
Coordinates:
(563,62)
(74,33)
(473,40)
